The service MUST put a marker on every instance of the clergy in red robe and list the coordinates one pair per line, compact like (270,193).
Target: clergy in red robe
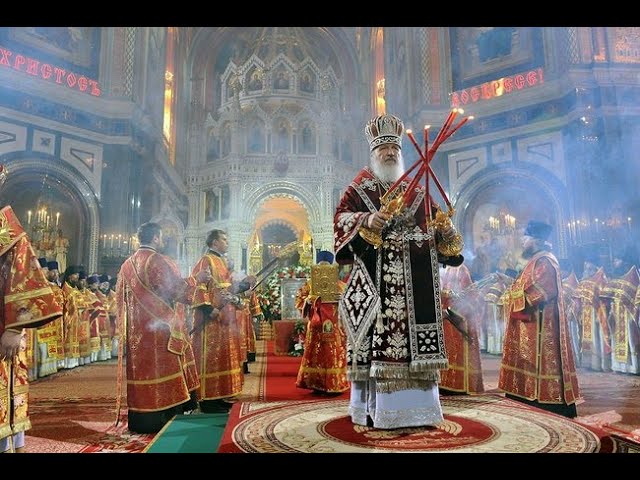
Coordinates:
(160,367)
(464,374)
(28,303)
(537,363)
(324,362)
(217,333)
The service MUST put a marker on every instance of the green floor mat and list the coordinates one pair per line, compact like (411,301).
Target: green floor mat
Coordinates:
(198,433)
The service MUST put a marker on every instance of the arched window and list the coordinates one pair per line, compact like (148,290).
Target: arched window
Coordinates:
(281,138)
(255,140)
(168,124)
(226,141)
(213,148)
(308,139)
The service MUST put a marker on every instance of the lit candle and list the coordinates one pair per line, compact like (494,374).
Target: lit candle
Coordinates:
(629,223)
(111,243)
(570,236)
(47,222)
(457,127)
(445,127)
(29,217)
(579,230)
(104,241)
(423,168)
(57,219)
(426,137)
(427,195)
(119,240)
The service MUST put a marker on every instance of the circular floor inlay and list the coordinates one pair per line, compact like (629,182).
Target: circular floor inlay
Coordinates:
(472,424)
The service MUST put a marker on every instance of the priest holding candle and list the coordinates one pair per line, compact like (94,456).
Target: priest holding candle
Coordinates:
(391,305)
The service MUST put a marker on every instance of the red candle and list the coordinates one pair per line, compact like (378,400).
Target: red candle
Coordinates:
(440,188)
(462,122)
(427,197)
(445,126)
(426,169)
(422,170)
(415,143)
(426,138)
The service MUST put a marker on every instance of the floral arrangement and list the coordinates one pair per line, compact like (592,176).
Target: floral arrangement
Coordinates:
(297,337)
(270,293)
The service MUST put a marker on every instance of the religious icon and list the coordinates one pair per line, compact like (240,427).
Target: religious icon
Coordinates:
(282,81)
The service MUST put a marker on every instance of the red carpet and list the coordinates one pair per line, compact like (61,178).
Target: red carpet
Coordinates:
(282,371)
(81,426)
(73,411)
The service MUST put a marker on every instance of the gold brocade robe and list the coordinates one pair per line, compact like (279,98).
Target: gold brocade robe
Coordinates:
(495,315)
(97,320)
(84,322)
(537,361)
(150,297)
(106,327)
(27,303)
(55,333)
(592,313)
(250,309)
(465,371)
(216,342)
(324,361)
(71,321)
(621,293)
(569,286)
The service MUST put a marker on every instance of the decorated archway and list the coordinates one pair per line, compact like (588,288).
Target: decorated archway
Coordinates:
(495,205)
(280,219)
(70,202)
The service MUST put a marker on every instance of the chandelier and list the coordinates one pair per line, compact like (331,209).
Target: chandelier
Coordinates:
(42,227)
(503,223)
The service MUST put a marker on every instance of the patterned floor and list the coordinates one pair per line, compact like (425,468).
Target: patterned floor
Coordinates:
(478,424)
(74,410)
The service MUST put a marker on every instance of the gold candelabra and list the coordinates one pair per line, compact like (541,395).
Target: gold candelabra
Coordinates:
(502,223)
(42,225)
(118,244)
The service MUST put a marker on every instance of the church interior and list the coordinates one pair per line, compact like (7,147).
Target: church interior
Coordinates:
(258,131)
